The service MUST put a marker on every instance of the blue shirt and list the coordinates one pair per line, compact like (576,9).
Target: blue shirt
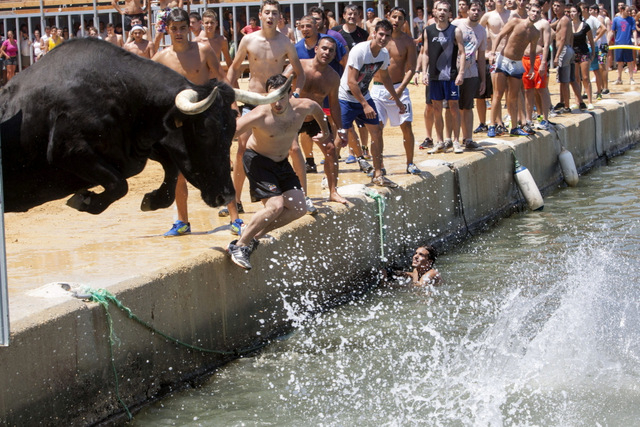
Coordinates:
(304,53)
(624,29)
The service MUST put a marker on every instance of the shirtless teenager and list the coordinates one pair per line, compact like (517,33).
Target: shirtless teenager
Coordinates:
(520,33)
(132,9)
(564,58)
(539,85)
(271,177)
(371,21)
(112,37)
(322,81)
(161,15)
(402,65)
(267,51)
(198,63)
(212,36)
(422,273)
(494,21)
(138,45)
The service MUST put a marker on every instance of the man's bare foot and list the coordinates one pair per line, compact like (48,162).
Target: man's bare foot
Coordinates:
(335,197)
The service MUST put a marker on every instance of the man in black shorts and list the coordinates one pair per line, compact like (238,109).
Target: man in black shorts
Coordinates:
(271,177)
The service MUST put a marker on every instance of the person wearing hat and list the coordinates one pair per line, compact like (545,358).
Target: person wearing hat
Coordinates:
(372,20)
(138,44)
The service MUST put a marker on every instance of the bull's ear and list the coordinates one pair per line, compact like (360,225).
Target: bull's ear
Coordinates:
(174,119)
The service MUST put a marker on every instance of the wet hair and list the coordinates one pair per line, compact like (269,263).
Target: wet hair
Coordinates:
(177,15)
(275,81)
(385,25)
(399,9)
(270,3)
(433,254)
(210,13)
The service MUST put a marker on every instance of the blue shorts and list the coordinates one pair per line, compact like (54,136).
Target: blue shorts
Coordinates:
(624,55)
(443,89)
(353,111)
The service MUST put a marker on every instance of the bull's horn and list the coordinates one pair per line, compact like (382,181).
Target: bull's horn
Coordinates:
(259,99)
(187,101)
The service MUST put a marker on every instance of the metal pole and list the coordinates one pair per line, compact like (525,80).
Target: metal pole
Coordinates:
(95,16)
(4,290)
(42,20)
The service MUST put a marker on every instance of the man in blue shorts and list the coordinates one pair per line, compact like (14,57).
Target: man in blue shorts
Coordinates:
(365,59)
(444,61)
(624,27)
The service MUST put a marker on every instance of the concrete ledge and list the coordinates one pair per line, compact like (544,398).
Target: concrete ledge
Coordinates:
(59,371)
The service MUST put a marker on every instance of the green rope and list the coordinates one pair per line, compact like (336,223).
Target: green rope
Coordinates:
(104,298)
(381,208)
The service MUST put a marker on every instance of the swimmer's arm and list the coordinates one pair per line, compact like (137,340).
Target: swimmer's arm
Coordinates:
(235,69)
(431,278)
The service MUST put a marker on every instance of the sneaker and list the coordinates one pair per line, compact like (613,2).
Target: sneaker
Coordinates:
(598,96)
(543,125)
(584,96)
(573,107)
(254,244)
(553,113)
(457,148)
(364,165)
(471,145)
(617,82)
(351,159)
(491,131)
(518,132)
(412,169)
(224,212)
(383,181)
(179,229)
(311,210)
(239,255)
(426,144)
(590,107)
(312,168)
(370,174)
(605,91)
(447,144)
(502,129)
(559,106)
(566,110)
(439,147)
(583,106)
(528,129)
(237,227)
(481,128)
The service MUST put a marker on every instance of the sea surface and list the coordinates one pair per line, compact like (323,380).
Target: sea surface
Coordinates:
(538,324)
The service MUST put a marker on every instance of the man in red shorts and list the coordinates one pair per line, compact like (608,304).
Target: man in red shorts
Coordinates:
(536,90)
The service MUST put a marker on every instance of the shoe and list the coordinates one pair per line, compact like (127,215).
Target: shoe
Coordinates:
(224,212)
(584,96)
(559,106)
(457,148)
(370,174)
(239,255)
(481,128)
(543,125)
(539,118)
(528,129)
(583,106)
(566,110)
(632,82)
(573,107)
(501,130)
(447,144)
(518,132)
(590,107)
(179,229)
(364,165)
(350,159)
(312,168)
(605,91)
(439,147)
(237,227)
(617,82)
(491,131)
(553,113)
(471,145)
(365,152)
(412,169)
(598,96)
(427,143)
(254,244)
(383,181)
(311,210)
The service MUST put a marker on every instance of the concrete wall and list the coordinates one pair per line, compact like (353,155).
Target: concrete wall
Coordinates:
(58,371)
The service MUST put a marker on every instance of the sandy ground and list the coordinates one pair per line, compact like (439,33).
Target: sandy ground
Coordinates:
(55,243)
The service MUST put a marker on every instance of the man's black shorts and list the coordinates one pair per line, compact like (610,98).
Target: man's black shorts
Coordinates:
(311,128)
(268,178)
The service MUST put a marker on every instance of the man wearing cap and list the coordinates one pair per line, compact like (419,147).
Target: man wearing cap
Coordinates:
(371,21)
(138,45)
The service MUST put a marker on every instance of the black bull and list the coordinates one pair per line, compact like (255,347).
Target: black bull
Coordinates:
(89,113)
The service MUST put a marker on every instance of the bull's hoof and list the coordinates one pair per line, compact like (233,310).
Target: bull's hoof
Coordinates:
(155,200)
(80,201)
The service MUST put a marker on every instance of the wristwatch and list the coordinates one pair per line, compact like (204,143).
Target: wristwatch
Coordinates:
(296,95)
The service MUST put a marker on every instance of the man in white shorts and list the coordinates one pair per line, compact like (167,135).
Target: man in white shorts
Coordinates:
(402,65)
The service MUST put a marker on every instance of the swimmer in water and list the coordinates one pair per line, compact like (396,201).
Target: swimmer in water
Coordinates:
(422,273)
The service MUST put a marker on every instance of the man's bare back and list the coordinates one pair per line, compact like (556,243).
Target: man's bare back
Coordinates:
(276,125)
(197,62)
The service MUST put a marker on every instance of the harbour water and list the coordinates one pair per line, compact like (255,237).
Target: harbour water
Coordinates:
(537,324)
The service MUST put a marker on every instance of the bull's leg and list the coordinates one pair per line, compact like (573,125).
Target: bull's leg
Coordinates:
(164,195)
(77,156)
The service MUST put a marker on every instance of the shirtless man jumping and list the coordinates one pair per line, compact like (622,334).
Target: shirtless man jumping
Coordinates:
(198,63)
(267,51)
(321,81)
(520,33)
(271,177)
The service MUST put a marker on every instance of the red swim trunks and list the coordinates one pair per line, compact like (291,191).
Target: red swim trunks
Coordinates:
(538,82)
